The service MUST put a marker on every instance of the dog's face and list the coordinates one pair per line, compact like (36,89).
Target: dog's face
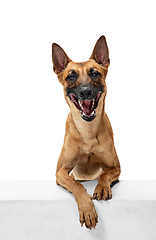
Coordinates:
(84,83)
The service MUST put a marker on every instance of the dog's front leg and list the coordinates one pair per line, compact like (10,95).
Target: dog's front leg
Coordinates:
(111,168)
(87,212)
(103,190)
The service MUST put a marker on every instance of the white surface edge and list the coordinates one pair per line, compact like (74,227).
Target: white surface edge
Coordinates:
(48,190)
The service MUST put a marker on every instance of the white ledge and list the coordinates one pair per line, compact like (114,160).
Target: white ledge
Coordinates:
(41,210)
(48,190)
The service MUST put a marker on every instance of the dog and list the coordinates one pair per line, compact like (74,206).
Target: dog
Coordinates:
(88,151)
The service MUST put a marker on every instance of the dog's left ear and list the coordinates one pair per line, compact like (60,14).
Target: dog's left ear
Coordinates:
(101,53)
(59,58)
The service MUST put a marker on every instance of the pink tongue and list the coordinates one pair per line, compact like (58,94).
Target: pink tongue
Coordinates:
(87,106)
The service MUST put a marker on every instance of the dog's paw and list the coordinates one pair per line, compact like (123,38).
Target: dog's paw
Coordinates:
(102,193)
(88,215)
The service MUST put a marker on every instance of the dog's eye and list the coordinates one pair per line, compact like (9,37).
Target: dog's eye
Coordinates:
(72,76)
(93,74)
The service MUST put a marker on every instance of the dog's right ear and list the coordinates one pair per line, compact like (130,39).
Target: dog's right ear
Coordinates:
(59,58)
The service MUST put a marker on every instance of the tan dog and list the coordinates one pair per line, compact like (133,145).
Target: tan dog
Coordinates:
(88,151)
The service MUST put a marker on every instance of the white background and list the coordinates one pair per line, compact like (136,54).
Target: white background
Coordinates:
(32,107)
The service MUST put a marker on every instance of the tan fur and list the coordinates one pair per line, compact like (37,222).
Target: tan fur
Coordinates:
(88,151)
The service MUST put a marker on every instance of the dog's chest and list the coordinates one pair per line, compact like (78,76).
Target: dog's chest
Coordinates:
(88,134)
(88,144)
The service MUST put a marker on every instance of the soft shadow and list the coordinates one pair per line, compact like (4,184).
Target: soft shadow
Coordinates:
(114,183)
(99,232)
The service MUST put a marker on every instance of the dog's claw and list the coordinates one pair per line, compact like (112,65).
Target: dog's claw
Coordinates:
(91,197)
(94,196)
(89,217)
(102,193)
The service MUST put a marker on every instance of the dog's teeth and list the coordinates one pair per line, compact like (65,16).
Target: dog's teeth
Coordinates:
(80,104)
(92,113)
(93,102)
(83,114)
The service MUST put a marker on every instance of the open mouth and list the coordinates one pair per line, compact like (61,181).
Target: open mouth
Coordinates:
(86,107)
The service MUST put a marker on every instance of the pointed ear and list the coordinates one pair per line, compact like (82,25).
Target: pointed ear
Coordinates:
(59,58)
(101,53)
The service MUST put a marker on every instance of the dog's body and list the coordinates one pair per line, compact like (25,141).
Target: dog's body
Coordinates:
(88,151)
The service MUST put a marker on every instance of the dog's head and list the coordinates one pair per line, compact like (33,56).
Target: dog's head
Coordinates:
(84,83)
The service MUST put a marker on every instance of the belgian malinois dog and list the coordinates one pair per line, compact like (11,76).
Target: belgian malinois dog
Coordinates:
(88,151)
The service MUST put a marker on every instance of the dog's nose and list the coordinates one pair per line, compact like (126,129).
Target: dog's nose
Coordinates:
(85,93)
